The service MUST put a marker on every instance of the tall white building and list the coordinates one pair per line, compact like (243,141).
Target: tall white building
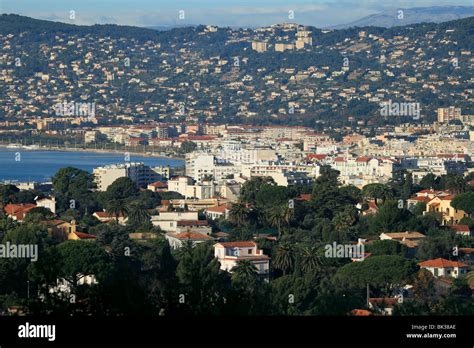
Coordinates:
(139,173)
(200,166)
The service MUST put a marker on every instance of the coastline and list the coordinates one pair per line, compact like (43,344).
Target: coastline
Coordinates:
(104,151)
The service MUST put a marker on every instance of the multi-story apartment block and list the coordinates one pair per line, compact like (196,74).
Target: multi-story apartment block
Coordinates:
(187,187)
(139,173)
(447,114)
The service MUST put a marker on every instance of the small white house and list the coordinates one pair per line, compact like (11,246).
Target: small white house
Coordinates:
(442,267)
(228,253)
(48,203)
(176,240)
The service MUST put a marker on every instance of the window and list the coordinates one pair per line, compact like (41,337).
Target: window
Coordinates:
(436,272)
(250,251)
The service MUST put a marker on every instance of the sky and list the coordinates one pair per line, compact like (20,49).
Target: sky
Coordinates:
(234,13)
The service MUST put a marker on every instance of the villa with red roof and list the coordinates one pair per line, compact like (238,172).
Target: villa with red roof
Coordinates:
(217,212)
(18,211)
(228,253)
(442,267)
(442,206)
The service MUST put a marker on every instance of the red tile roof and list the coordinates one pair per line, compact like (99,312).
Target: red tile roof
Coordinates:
(237,244)
(441,263)
(82,235)
(104,214)
(19,210)
(218,209)
(316,156)
(460,228)
(192,223)
(388,301)
(304,197)
(361,312)
(158,184)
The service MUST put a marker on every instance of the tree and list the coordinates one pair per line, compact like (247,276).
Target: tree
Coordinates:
(202,284)
(345,219)
(407,188)
(387,247)
(188,146)
(239,214)
(7,194)
(284,258)
(423,287)
(310,259)
(279,216)
(377,192)
(117,208)
(454,183)
(250,188)
(121,189)
(464,201)
(81,258)
(137,213)
(244,271)
(74,185)
(430,181)
(39,214)
(384,272)
(390,218)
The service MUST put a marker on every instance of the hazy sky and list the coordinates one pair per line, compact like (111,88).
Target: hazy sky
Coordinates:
(243,13)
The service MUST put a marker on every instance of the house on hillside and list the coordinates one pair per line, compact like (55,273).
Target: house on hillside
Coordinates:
(442,205)
(18,212)
(442,267)
(228,253)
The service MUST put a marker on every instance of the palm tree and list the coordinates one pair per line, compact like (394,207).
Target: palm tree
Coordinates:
(279,216)
(137,212)
(344,219)
(117,207)
(239,214)
(310,259)
(244,270)
(284,258)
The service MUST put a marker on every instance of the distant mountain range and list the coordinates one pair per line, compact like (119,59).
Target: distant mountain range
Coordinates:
(434,14)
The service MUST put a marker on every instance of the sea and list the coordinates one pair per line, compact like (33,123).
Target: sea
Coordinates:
(19,164)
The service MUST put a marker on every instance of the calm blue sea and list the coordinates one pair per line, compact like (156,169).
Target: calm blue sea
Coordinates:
(42,165)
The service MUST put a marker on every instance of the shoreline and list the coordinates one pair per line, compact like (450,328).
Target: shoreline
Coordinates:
(104,151)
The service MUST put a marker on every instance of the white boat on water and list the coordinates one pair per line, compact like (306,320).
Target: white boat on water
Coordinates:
(13,146)
(31,147)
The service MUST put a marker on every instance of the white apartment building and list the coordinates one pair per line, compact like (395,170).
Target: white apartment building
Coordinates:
(366,169)
(228,253)
(234,152)
(168,221)
(139,173)
(200,165)
(278,170)
(189,189)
